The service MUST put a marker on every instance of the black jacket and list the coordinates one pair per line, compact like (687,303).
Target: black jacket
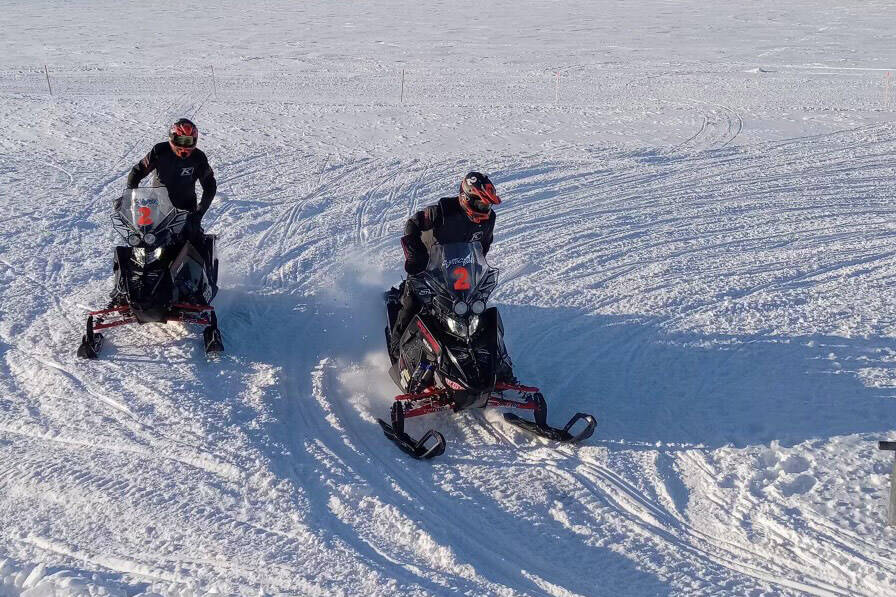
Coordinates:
(179,175)
(442,223)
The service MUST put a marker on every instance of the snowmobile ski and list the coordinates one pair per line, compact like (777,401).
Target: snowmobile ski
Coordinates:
(541,428)
(212,336)
(416,448)
(91,342)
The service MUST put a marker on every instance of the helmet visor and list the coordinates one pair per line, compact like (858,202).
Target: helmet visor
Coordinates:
(184,140)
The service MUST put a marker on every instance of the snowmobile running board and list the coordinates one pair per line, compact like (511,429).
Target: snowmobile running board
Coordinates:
(437,402)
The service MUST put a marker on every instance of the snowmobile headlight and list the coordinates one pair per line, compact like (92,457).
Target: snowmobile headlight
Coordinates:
(456,327)
(149,238)
(144,257)
(463,328)
(156,255)
(461,308)
(134,239)
(478,307)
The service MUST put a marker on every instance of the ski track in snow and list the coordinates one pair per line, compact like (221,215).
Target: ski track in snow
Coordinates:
(699,253)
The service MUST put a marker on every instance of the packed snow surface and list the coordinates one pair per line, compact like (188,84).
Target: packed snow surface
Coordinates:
(697,244)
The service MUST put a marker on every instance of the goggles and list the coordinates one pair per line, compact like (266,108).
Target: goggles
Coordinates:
(478,204)
(481,206)
(184,140)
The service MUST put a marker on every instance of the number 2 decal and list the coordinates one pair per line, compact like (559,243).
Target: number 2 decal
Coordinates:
(145,219)
(461,278)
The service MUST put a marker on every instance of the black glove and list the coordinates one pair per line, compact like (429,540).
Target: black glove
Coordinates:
(193,225)
(416,257)
(413,267)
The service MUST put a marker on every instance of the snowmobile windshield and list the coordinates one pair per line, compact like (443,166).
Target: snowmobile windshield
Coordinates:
(146,216)
(463,273)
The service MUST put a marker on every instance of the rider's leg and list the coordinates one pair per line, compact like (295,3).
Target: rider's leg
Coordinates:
(504,367)
(409,307)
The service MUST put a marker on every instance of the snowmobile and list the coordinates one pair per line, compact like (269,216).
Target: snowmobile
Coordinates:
(452,357)
(160,276)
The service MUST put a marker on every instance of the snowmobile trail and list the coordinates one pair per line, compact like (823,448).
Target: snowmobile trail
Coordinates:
(629,500)
(439,507)
(819,545)
(720,124)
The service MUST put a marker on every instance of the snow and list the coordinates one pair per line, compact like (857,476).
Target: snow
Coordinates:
(696,245)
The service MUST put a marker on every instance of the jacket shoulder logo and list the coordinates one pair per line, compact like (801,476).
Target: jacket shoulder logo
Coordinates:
(186,171)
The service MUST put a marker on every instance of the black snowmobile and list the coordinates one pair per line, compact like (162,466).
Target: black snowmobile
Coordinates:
(160,276)
(452,355)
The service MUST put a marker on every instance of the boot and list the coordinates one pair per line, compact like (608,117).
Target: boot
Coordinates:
(504,373)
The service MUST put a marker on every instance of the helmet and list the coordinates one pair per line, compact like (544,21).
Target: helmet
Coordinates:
(182,137)
(477,195)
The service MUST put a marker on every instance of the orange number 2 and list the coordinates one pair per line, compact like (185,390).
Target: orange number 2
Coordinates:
(461,278)
(144,219)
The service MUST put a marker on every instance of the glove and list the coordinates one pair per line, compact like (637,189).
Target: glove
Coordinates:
(193,225)
(415,254)
(413,267)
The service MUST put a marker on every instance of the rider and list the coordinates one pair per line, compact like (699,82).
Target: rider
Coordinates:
(178,164)
(464,218)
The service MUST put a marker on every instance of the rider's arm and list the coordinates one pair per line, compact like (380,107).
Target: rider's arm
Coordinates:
(488,235)
(209,188)
(142,168)
(415,254)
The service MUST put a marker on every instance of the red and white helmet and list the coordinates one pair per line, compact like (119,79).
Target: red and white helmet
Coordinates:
(477,195)
(182,137)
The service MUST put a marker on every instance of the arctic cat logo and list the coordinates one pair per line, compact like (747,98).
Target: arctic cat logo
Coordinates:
(459,260)
(472,180)
(477,236)
(186,171)
(144,202)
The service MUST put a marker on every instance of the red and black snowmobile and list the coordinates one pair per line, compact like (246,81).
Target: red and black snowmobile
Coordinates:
(160,276)
(452,355)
